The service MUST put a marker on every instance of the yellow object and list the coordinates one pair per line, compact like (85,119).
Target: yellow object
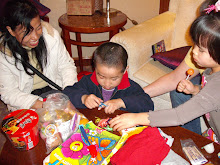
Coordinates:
(83,121)
(57,157)
(133,131)
(117,147)
(188,61)
(105,140)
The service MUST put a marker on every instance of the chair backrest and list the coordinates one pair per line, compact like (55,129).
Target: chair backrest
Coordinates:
(43,10)
(164,6)
(3,2)
(186,12)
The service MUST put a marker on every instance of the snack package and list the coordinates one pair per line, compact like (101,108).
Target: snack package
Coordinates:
(58,120)
(94,147)
(192,152)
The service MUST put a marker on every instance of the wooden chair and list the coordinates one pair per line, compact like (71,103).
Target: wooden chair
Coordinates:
(44,18)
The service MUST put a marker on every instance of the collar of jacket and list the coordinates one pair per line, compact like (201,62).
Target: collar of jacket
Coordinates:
(123,85)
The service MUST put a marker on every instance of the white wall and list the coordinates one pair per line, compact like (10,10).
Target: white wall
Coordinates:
(138,10)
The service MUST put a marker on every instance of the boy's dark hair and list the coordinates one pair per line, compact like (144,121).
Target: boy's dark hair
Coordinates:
(205,32)
(21,12)
(112,55)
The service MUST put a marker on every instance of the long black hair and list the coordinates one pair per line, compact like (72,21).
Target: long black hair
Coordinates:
(21,12)
(205,31)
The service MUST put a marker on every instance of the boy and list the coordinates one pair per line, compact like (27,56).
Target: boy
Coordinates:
(108,86)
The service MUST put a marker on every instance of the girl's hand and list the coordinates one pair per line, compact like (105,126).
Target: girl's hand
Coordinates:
(187,87)
(128,120)
(91,101)
(113,105)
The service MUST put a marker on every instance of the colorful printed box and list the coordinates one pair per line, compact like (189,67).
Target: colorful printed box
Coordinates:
(75,149)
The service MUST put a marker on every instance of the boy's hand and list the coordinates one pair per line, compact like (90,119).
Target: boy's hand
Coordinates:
(91,101)
(128,120)
(187,87)
(113,105)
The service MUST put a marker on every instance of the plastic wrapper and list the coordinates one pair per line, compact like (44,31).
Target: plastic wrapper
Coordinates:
(192,152)
(58,120)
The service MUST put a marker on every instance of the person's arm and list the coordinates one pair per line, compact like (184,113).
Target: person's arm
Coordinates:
(136,100)
(64,64)
(112,105)
(77,91)
(67,67)
(188,87)
(91,101)
(10,92)
(169,81)
(128,120)
(205,101)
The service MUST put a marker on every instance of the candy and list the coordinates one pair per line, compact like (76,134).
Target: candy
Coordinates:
(189,72)
(103,123)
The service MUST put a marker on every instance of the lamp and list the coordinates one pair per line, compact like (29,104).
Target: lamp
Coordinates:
(107,5)
(108,10)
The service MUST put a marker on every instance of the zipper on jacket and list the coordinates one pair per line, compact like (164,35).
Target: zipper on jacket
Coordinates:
(116,92)
(112,95)
(100,93)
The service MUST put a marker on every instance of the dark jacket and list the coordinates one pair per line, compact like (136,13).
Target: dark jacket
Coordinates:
(134,97)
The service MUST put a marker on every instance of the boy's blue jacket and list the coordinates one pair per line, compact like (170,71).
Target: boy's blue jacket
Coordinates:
(134,97)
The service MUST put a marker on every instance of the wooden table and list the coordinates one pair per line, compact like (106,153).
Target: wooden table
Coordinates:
(96,23)
(176,132)
(35,156)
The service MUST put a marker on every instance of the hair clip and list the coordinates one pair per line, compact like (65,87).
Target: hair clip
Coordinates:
(215,7)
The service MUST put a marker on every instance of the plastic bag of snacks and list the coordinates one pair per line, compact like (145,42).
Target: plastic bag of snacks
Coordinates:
(58,119)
